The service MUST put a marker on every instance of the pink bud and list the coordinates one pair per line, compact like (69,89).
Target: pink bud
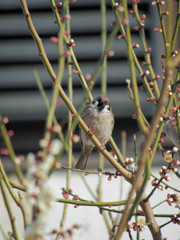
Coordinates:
(136,28)
(54,40)
(75,72)
(154,3)
(59,4)
(143,17)
(5,120)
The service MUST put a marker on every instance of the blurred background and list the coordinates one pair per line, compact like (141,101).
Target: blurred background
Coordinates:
(20,99)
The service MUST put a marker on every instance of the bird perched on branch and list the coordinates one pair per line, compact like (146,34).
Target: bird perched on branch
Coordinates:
(171,131)
(99,118)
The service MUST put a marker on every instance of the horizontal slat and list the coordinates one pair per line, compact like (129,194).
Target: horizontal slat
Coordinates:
(11,4)
(42,4)
(44,22)
(29,105)
(26,50)
(22,76)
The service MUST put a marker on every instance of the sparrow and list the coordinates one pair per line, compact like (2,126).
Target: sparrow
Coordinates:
(99,118)
(171,131)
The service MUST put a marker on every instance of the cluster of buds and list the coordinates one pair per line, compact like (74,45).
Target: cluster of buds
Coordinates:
(158,30)
(66,193)
(121,36)
(165,13)
(157,185)
(173,109)
(175,52)
(163,171)
(129,162)
(107,173)
(65,18)
(138,225)
(169,91)
(119,7)
(55,128)
(72,43)
(59,7)
(176,219)
(142,23)
(173,198)
(154,3)
(135,45)
(142,74)
(164,117)
(151,99)
(68,233)
(150,151)
(136,28)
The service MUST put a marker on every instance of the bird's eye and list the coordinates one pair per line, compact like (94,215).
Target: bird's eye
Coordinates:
(100,101)
(93,102)
(108,108)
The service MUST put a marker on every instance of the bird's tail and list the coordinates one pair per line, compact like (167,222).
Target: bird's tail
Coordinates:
(81,164)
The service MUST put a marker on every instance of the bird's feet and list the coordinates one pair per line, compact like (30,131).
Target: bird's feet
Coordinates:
(90,132)
(102,148)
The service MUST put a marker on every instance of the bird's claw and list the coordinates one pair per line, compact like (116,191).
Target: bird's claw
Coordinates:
(90,132)
(102,148)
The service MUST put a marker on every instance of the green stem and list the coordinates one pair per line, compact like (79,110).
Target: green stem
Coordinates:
(176,28)
(91,203)
(167,110)
(8,206)
(146,53)
(174,189)
(140,119)
(162,25)
(138,66)
(17,201)
(11,151)
(70,95)
(69,47)
(157,205)
(143,159)
(169,30)
(46,101)
(53,104)
(103,37)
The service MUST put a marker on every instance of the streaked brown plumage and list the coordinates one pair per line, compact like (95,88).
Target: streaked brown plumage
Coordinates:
(99,117)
